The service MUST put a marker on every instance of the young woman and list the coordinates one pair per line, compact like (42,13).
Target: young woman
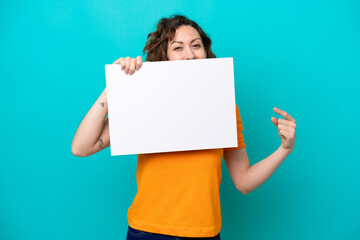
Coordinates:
(178,192)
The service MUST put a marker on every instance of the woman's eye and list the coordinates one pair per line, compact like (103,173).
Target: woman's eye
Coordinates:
(197,45)
(177,48)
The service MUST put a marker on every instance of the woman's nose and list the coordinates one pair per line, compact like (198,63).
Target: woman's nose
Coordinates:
(189,54)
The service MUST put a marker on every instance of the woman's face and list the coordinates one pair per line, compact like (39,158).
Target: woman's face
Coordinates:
(186,45)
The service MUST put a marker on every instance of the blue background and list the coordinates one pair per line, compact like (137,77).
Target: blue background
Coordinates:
(300,56)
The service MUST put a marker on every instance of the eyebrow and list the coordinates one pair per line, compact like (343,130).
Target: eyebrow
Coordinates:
(183,43)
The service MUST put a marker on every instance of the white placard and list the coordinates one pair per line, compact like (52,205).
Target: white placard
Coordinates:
(172,106)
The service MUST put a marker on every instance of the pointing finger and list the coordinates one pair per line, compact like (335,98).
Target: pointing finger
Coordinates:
(284,114)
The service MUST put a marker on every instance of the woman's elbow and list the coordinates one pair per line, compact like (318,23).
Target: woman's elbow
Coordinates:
(244,190)
(76,152)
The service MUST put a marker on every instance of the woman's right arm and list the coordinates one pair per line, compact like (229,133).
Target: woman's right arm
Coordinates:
(92,134)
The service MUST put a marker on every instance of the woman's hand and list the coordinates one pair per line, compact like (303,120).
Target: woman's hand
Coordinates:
(286,128)
(129,65)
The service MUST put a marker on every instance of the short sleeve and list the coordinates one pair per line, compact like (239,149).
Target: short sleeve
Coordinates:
(239,125)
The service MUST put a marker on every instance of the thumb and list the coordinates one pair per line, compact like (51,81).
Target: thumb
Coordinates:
(274,121)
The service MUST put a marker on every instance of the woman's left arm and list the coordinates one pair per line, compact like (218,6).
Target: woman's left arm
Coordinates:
(247,178)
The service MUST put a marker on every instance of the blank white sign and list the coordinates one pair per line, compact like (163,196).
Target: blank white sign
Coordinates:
(172,106)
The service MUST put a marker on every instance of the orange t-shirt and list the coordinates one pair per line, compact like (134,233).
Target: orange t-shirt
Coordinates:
(178,192)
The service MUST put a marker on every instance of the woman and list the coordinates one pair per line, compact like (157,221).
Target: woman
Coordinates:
(178,192)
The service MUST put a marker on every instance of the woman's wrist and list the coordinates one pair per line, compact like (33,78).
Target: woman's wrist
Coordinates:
(285,151)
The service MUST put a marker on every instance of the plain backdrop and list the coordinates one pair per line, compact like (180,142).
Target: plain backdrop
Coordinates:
(299,56)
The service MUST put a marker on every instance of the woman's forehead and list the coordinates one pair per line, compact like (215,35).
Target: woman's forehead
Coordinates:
(185,34)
